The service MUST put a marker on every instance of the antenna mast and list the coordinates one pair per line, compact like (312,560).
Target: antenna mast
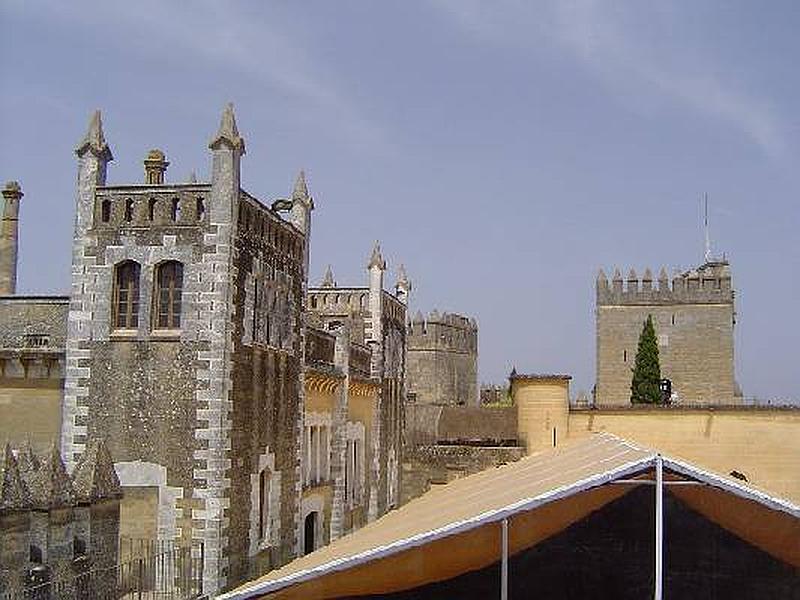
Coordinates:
(705,225)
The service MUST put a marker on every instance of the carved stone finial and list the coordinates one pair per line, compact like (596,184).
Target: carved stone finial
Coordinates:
(94,141)
(376,260)
(300,191)
(327,280)
(228,131)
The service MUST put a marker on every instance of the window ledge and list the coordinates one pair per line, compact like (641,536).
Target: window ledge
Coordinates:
(124,334)
(166,334)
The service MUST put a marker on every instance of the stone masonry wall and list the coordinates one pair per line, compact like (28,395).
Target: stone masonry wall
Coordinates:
(443,360)
(693,319)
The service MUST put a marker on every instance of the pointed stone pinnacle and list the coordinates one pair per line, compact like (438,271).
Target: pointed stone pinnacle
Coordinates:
(632,275)
(327,280)
(300,190)
(648,275)
(376,260)
(617,275)
(662,275)
(94,141)
(14,494)
(601,275)
(402,277)
(94,477)
(228,131)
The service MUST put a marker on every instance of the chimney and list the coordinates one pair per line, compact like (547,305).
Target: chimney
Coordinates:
(9,230)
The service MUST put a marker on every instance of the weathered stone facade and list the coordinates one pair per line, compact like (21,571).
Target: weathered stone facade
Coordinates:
(694,319)
(443,359)
(375,318)
(183,346)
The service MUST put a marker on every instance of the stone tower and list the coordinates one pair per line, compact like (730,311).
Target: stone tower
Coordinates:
(694,319)
(9,230)
(185,354)
(443,359)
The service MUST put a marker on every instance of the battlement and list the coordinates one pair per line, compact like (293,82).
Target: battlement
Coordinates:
(709,283)
(443,331)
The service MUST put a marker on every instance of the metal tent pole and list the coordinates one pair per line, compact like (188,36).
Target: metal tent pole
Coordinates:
(504,562)
(659,567)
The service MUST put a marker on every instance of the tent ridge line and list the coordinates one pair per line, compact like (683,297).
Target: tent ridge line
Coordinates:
(442,532)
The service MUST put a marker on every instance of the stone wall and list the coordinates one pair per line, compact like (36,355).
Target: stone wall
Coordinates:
(443,359)
(694,322)
(436,464)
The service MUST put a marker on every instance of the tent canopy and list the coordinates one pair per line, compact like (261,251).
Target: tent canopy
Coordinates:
(456,528)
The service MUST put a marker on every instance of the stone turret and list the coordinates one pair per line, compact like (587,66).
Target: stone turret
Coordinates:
(300,216)
(376,268)
(155,166)
(9,231)
(93,158)
(227,148)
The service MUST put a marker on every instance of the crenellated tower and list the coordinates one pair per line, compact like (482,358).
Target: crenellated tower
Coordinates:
(443,359)
(694,317)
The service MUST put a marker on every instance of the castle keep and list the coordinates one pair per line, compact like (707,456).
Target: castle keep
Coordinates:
(443,359)
(694,318)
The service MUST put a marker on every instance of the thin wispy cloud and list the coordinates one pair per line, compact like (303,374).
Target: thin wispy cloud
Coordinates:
(611,41)
(217,34)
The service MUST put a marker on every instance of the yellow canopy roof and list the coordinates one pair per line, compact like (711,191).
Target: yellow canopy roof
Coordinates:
(455,528)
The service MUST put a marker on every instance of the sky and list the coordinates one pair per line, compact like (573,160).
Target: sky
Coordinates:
(503,151)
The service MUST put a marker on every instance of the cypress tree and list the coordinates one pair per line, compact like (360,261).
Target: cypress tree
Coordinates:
(646,371)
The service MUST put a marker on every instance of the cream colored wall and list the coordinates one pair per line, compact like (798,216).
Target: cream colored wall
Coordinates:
(541,411)
(318,401)
(764,445)
(30,412)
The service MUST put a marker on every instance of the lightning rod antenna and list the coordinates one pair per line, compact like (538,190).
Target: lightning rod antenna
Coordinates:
(705,225)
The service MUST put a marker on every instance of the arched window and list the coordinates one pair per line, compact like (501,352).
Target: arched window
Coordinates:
(126,295)
(201,209)
(151,209)
(169,286)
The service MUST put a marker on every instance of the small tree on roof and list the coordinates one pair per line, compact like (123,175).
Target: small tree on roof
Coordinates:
(646,370)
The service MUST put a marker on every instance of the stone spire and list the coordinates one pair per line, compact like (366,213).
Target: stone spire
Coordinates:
(302,205)
(9,232)
(94,477)
(327,280)
(94,141)
(602,280)
(228,132)
(300,191)
(14,494)
(376,260)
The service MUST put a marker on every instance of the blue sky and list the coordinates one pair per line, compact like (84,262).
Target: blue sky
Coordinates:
(503,151)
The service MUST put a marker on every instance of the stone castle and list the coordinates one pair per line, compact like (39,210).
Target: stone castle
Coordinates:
(694,318)
(236,410)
